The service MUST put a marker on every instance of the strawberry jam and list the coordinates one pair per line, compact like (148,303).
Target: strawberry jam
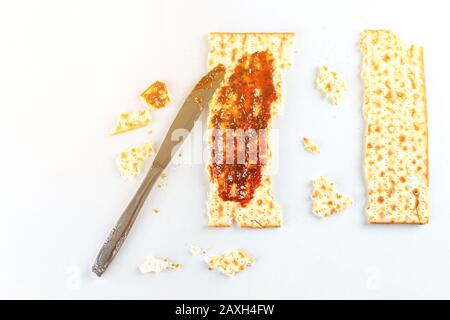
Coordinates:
(245,106)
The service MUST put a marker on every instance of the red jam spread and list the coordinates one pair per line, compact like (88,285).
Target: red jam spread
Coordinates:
(245,105)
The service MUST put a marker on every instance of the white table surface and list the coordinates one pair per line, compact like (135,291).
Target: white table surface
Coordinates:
(68,68)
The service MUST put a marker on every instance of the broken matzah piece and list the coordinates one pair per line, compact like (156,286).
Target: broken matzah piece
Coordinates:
(326,200)
(156,96)
(132,120)
(130,161)
(232,262)
(395,111)
(157,265)
(245,105)
(310,146)
(331,84)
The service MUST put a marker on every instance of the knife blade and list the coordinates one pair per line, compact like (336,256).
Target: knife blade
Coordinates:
(189,112)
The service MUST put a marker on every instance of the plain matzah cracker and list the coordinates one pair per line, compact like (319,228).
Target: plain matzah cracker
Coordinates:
(331,84)
(227,49)
(326,200)
(131,120)
(396,155)
(231,262)
(130,161)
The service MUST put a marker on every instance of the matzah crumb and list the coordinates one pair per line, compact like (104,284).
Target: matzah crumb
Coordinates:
(157,265)
(155,210)
(130,161)
(331,84)
(156,96)
(131,120)
(326,200)
(163,174)
(232,262)
(195,250)
(310,146)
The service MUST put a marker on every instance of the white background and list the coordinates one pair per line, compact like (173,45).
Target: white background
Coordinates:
(68,68)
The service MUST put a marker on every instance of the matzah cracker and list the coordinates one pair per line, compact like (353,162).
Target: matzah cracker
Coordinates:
(310,146)
(157,265)
(130,161)
(240,49)
(131,120)
(232,262)
(156,96)
(331,84)
(395,110)
(326,200)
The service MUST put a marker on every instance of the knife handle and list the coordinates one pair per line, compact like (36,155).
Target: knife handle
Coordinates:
(123,226)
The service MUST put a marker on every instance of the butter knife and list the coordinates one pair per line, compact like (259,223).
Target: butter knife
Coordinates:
(190,111)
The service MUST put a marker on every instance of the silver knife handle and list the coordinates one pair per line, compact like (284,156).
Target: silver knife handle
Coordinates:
(123,226)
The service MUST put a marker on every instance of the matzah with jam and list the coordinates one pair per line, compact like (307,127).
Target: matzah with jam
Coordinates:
(243,108)
(156,96)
